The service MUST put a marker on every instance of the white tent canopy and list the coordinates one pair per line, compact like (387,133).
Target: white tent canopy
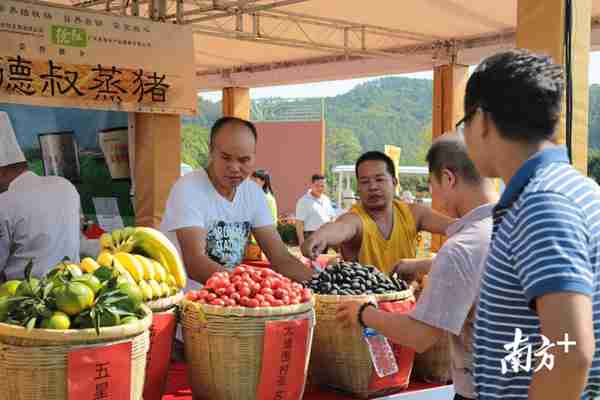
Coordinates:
(253,43)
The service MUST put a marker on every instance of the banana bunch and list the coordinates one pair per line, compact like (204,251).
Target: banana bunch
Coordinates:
(143,256)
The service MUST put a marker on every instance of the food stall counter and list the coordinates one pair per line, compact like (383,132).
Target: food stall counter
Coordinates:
(179,389)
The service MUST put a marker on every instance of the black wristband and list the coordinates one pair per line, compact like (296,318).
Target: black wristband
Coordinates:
(360,312)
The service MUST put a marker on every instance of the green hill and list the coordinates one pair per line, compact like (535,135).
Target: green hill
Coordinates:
(391,110)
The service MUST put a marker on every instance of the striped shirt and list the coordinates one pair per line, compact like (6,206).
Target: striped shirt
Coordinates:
(546,239)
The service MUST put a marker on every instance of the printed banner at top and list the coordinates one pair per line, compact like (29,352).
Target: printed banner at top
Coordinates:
(64,57)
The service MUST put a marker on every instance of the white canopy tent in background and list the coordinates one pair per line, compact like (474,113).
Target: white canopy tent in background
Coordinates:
(255,43)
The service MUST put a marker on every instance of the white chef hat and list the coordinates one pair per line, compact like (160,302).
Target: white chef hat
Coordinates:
(10,151)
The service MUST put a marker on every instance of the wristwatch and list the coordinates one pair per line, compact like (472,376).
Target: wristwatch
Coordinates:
(362,309)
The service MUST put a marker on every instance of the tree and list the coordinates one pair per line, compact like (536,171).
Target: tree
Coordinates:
(194,145)
(426,137)
(594,165)
(343,147)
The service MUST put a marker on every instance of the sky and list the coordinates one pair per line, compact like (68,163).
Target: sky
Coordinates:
(334,88)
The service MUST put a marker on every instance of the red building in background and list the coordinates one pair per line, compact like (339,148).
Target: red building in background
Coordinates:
(292,151)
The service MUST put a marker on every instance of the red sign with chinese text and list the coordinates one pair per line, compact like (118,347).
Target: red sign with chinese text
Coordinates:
(162,331)
(283,372)
(100,373)
(404,355)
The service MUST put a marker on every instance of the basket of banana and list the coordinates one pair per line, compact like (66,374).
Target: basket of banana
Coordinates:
(147,258)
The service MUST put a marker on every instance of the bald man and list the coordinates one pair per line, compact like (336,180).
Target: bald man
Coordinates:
(211,213)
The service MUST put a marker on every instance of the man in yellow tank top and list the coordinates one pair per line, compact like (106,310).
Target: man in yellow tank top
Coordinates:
(379,230)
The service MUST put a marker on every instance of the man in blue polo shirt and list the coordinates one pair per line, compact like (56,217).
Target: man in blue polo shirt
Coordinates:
(540,286)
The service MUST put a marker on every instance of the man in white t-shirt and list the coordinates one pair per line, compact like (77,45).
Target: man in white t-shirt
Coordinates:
(211,214)
(313,209)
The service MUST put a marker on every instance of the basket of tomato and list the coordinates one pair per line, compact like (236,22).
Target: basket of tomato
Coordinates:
(227,329)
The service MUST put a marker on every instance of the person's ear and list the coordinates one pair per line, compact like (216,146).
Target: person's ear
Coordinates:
(486,124)
(449,177)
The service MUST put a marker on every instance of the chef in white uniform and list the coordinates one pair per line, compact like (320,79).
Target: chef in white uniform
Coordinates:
(39,215)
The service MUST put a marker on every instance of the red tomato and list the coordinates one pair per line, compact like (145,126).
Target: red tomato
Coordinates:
(236,297)
(229,290)
(277,303)
(231,303)
(260,298)
(211,282)
(191,296)
(256,276)
(296,286)
(274,283)
(255,288)
(236,279)
(221,291)
(245,291)
(265,304)
(244,301)
(217,302)
(286,300)
(210,297)
(266,290)
(279,293)
(270,298)
(252,303)
(306,295)
(202,294)
(267,283)
(245,276)
(295,300)
(239,270)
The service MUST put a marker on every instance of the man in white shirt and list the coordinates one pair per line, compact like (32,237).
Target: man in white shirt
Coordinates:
(313,209)
(211,214)
(39,216)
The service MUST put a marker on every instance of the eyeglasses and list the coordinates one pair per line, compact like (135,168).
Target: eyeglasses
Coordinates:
(460,124)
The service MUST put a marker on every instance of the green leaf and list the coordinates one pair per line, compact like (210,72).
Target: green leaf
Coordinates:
(28,269)
(104,274)
(97,325)
(31,324)
(119,311)
(114,299)
(48,286)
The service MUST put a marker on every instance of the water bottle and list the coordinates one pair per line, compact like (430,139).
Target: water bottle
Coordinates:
(382,355)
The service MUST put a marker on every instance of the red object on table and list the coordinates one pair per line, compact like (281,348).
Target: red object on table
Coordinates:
(162,332)
(179,389)
(93,232)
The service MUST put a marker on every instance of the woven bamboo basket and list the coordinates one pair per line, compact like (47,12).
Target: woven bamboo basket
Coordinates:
(224,347)
(341,358)
(165,303)
(33,365)
(434,365)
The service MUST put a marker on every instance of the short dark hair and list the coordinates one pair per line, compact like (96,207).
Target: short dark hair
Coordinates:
(224,121)
(451,154)
(377,156)
(317,177)
(521,91)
